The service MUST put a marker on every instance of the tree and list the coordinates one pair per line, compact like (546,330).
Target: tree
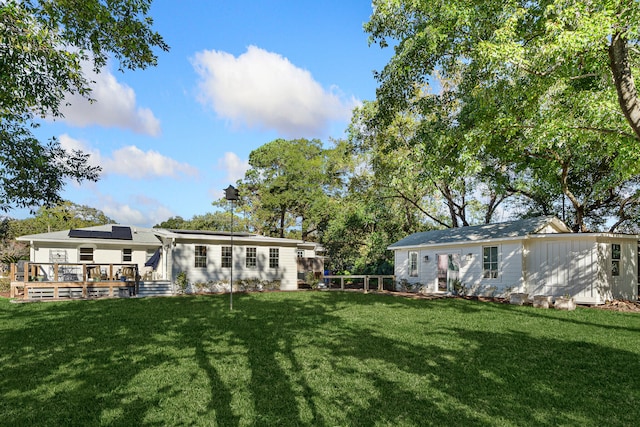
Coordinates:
(547,39)
(288,186)
(213,221)
(174,223)
(63,216)
(554,146)
(43,46)
(11,251)
(424,161)
(544,90)
(362,225)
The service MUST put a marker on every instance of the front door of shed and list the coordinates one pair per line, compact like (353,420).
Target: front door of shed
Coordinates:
(448,271)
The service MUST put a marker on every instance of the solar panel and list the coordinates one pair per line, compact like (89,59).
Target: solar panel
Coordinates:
(121,233)
(117,232)
(90,234)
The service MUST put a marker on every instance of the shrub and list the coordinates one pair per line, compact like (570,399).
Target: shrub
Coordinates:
(5,285)
(182,281)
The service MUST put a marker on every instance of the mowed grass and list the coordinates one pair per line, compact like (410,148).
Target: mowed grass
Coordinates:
(315,359)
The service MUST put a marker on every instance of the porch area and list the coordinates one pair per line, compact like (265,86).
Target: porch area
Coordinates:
(40,281)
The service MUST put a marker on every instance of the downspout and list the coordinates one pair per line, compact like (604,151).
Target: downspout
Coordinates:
(169,260)
(525,272)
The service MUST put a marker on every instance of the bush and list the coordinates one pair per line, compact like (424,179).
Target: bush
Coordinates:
(182,281)
(5,285)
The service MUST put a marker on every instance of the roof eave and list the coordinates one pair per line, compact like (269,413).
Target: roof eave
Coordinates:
(459,243)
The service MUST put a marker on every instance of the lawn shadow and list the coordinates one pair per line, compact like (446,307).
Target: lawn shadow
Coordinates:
(322,358)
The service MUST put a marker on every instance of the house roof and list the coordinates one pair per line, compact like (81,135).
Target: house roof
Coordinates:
(110,233)
(222,236)
(502,230)
(118,234)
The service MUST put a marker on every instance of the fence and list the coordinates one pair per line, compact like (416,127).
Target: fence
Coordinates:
(363,282)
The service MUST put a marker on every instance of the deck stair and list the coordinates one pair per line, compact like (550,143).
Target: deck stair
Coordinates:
(155,288)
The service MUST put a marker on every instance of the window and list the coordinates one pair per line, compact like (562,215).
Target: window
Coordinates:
(490,262)
(251,258)
(57,255)
(226,257)
(300,253)
(127,255)
(274,257)
(86,254)
(615,259)
(201,257)
(413,264)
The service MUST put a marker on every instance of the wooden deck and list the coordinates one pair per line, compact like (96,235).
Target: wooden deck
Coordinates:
(38,281)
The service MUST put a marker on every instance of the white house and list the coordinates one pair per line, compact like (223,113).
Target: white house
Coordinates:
(538,256)
(161,254)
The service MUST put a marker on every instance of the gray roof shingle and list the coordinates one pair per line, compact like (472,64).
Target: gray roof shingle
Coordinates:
(509,229)
(98,233)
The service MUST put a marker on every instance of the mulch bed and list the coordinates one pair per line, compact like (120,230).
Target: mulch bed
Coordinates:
(619,305)
(615,305)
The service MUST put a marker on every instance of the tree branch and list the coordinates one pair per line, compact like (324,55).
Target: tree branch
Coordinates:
(623,80)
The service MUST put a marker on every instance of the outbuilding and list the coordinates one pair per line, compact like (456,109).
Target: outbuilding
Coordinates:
(538,256)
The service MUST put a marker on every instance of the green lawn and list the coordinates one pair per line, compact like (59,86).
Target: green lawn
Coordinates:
(315,358)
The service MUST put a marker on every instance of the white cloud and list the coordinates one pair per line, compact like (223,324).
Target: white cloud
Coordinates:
(131,161)
(115,106)
(149,212)
(264,90)
(234,166)
(68,143)
(124,214)
(135,163)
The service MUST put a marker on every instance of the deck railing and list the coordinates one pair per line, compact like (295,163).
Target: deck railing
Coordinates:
(82,280)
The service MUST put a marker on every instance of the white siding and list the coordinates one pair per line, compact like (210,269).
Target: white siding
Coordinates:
(427,269)
(556,264)
(183,257)
(511,261)
(581,267)
(563,267)
(471,267)
(509,269)
(624,286)
(401,266)
(306,253)
(101,255)
(41,253)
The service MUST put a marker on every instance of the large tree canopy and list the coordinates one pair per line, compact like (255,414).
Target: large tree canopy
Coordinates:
(65,215)
(289,186)
(550,39)
(43,45)
(544,93)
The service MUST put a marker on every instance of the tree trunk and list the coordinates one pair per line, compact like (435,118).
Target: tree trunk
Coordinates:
(448,196)
(282,215)
(579,226)
(623,80)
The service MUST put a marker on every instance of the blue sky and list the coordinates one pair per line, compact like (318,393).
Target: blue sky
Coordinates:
(239,74)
